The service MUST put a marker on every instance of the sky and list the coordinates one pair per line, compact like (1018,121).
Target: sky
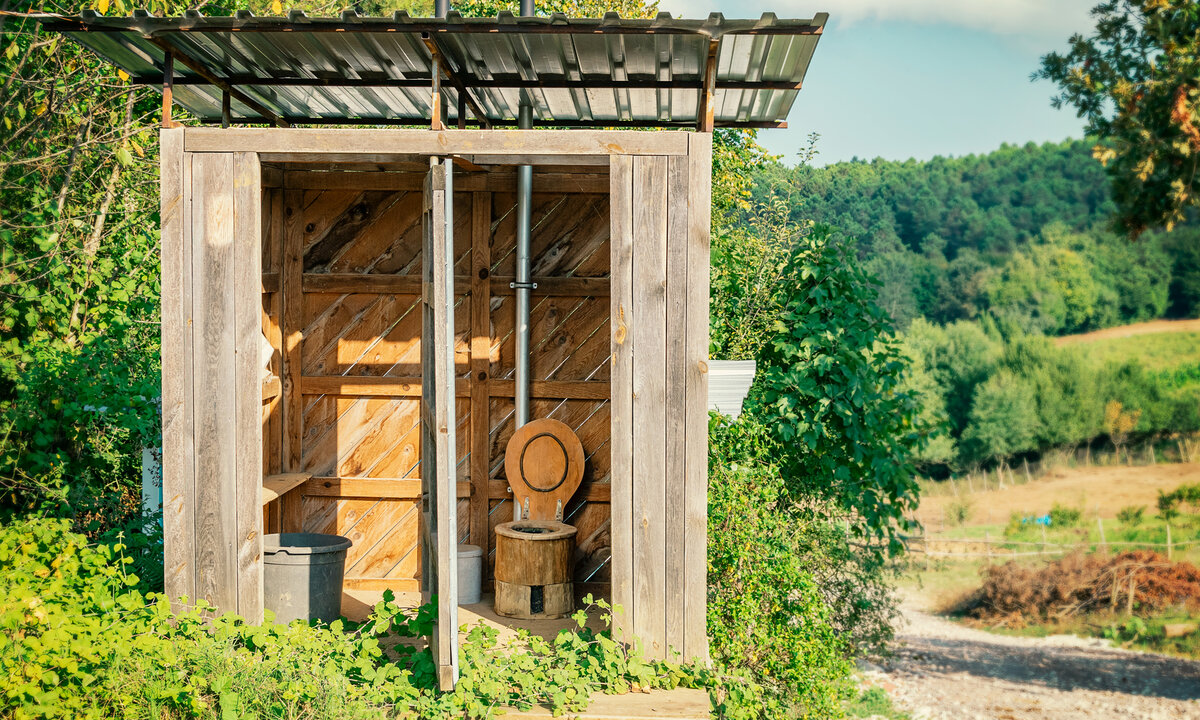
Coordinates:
(902,79)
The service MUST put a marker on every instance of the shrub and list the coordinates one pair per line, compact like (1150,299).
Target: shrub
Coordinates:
(1016,523)
(830,390)
(767,610)
(1064,516)
(79,641)
(1131,514)
(958,512)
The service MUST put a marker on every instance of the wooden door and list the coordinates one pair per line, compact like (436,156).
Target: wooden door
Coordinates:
(439,462)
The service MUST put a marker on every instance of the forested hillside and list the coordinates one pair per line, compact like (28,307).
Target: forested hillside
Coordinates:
(978,258)
(1020,234)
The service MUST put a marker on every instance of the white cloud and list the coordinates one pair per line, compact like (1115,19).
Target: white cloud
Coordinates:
(1033,17)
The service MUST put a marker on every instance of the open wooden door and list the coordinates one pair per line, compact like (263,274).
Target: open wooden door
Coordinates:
(439,550)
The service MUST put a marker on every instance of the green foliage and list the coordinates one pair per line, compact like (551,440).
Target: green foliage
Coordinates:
(1169,502)
(1013,234)
(790,595)
(992,395)
(959,511)
(80,641)
(1065,516)
(829,387)
(1131,514)
(1003,419)
(1133,79)
(873,703)
(79,266)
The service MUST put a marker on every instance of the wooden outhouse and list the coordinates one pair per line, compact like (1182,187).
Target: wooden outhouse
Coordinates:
(339,306)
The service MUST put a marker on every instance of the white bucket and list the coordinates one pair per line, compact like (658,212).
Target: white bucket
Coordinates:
(470,573)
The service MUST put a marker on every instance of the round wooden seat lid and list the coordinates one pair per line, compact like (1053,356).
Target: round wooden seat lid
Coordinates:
(544,465)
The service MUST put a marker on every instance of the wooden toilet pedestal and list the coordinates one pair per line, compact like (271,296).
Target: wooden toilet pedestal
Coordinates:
(535,553)
(533,569)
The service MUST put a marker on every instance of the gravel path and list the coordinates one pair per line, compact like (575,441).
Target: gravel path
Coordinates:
(946,670)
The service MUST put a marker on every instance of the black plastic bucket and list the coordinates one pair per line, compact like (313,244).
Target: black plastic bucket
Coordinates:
(302,575)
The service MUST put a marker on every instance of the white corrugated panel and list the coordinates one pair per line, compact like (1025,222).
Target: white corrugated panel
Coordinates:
(728,383)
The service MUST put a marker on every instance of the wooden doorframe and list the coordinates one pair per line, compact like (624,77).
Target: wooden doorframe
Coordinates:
(439,462)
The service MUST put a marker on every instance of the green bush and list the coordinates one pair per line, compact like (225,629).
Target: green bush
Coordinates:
(1016,523)
(79,641)
(767,610)
(830,388)
(1064,516)
(1131,514)
(958,512)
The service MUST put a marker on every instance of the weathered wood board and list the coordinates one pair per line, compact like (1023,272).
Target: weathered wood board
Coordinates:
(356,368)
(327,262)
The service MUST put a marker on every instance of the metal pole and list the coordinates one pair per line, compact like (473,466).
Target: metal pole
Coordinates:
(523,285)
(441,8)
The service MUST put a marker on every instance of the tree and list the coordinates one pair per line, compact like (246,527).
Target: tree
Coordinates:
(829,387)
(1136,81)
(1118,423)
(1003,419)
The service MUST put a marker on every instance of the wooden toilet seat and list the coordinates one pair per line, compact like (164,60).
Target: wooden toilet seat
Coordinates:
(544,465)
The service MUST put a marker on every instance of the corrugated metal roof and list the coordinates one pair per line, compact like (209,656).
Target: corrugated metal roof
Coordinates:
(610,71)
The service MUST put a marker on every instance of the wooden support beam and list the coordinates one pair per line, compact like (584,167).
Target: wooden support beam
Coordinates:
(481,179)
(327,144)
(270,282)
(555,389)
(368,386)
(436,101)
(706,110)
(378,488)
(604,82)
(464,95)
(411,284)
(271,388)
(168,91)
(292,329)
(170,48)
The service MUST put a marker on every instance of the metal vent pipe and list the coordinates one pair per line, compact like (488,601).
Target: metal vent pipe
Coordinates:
(523,283)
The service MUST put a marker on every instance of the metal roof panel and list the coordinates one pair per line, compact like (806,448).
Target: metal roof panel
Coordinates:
(365,70)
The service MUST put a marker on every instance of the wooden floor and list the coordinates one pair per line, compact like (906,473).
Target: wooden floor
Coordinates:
(658,705)
(678,704)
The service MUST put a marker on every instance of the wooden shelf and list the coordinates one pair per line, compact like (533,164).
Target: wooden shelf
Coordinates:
(276,486)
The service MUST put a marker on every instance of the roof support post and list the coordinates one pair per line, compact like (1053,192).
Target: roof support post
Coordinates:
(437,101)
(707,107)
(442,67)
(225,111)
(168,47)
(168,93)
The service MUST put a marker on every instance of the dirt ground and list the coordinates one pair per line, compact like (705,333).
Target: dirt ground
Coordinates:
(1146,328)
(946,671)
(1099,491)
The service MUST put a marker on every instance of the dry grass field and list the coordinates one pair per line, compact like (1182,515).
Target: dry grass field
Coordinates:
(1098,491)
(1124,331)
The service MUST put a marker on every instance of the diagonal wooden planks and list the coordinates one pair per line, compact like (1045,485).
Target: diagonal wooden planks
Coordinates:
(376,333)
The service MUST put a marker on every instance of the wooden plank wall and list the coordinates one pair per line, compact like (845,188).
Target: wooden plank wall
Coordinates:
(355,364)
(212,390)
(339,257)
(659,344)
